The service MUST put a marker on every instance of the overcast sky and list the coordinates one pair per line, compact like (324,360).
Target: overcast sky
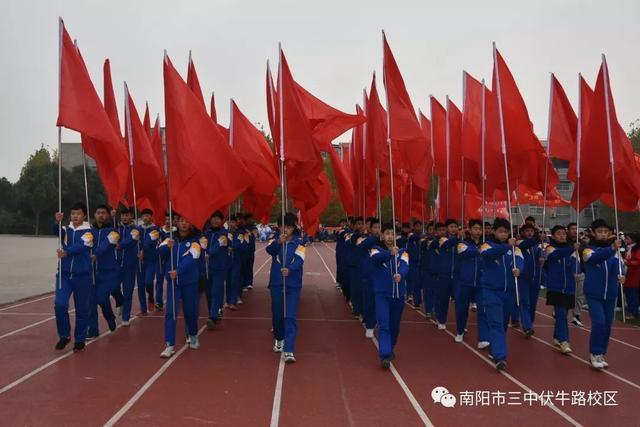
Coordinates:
(332,47)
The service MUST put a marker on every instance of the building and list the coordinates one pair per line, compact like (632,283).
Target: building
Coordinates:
(72,156)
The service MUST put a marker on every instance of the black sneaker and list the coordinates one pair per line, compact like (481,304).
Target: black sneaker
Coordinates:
(393,356)
(211,324)
(112,324)
(92,336)
(528,334)
(79,346)
(386,363)
(515,325)
(159,306)
(576,321)
(416,306)
(501,365)
(62,343)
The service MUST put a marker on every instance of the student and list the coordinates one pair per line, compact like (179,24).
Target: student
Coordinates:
(446,261)
(530,279)
(403,237)
(502,263)
(165,233)
(467,278)
(391,266)
(237,250)
(414,290)
(339,237)
(285,284)
(149,258)
(572,237)
(366,241)
(219,263)
(251,251)
(105,270)
(632,281)
(74,276)
(353,263)
(345,262)
(182,253)
(433,254)
(425,275)
(561,265)
(602,275)
(128,259)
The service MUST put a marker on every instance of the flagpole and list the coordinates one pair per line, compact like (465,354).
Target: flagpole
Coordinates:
(393,196)
(483,136)
(464,183)
(433,165)
(504,156)
(546,166)
(282,181)
(378,198)
(422,193)
(60,28)
(133,177)
(167,178)
(605,70)
(578,161)
(364,153)
(447,142)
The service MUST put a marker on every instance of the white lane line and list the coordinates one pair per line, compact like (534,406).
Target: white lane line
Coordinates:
(586,362)
(118,415)
(24,328)
(277,396)
(507,375)
(403,385)
(51,363)
(589,331)
(26,302)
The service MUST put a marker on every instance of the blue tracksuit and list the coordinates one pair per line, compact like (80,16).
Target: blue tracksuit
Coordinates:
(561,266)
(285,299)
(426,275)
(165,233)
(340,246)
(129,265)
(219,263)
(467,275)
(150,265)
(250,256)
(355,277)
(390,295)
(446,264)
(368,298)
(401,240)
(106,272)
(498,291)
(74,277)
(601,271)
(361,243)
(529,281)
(345,262)
(239,247)
(414,290)
(185,255)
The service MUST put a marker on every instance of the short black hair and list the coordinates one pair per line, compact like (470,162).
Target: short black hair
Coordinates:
(527,226)
(125,210)
(599,223)
(473,222)
(79,206)
(373,220)
(146,211)
(357,219)
(440,225)
(406,225)
(387,226)
(217,214)
(431,224)
(351,219)
(417,222)
(290,219)
(450,221)
(233,217)
(571,224)
(529,218)
(557,228)
(343,220)
(103,206)
(487,224)
(501,223)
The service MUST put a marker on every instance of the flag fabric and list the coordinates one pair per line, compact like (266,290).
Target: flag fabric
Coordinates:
(147,172)
(193,82)
(80,109)
(606,148)
(439,137)
(472,127)
(191,139)
(109,98)
(146,122)
(563,124)
(343,181)
(585,100)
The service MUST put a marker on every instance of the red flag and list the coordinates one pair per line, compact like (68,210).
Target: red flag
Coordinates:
(214,115)
(377,131)
(156,144)
(343,181)
(110,99)
(439,137)
(146,123)
(472,128)
(585,96)
(563,124)
(254,151)
(604,143)
(454,117)
(193,82)
(148,175)
(191,166)
(80,109)
(404,128)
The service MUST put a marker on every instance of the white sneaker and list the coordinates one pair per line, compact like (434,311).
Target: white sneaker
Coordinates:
(565,348)
(458,338)
(125,323)
(167,352)
(239,301)
(289,358)
(474,306)
(188,340)
(556,342)
(278,346)
(194,343)
(442,326)
(119,310)
(596,362)
(604,362)
(483,344)
(369,333)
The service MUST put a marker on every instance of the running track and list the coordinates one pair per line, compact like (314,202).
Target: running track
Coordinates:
(235,379)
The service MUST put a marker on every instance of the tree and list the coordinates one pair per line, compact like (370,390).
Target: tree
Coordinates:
(36,187)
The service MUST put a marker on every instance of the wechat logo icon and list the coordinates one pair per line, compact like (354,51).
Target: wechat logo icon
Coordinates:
(442,396)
